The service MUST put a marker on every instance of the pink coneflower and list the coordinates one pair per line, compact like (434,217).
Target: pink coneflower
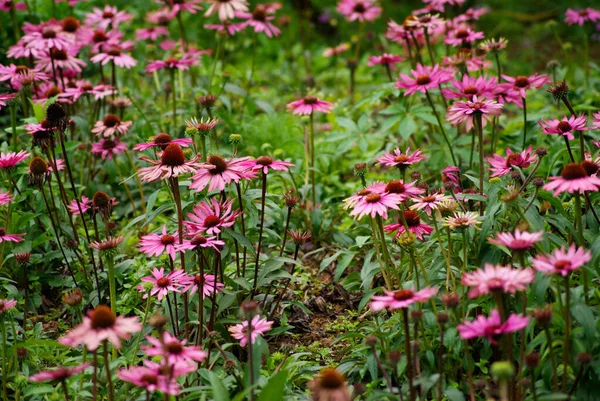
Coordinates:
(218,172)
(564,127)
(172,63)
(413,221)
(386,59)
(462,220)
(200,242)
(582,16)
(502,166)
(308,105)
(150,378)
(151,33)
(491,327)
(101,325)
(162,140)
(191,6)
(573,178)
(226,8)
(359,10)
(114,53)
(334,51)
(505,93)
(18,75)
(227,26)
(110,126)
(463,111)
(493,279)
(6,237)
(103,18)
(596,120)
(64,59)
(429,202)
(157,244)
(519,241)
(107,148)
(451,174)
(493,45)
(259,20)
(164,284)
(470,86)
(210,218)
(207,282)
(58,375)
(258,327)
(461,35)
(48,37)
(174,351)
(425,21)
(562,262)
(6,97)
(85,203)
(5,198)
(6,304)
(5,5)
(171,164)
(401,160)
(471,15)
(265,163)
(373,202)
(401,299)
(423,79)
(522,83)
(82,88)
(107,244)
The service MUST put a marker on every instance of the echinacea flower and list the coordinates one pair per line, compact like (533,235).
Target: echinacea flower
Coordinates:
(85,204)
(334,51)
(491,327)
(359,10)
(111,125)
(462,220)
(519,241)
(151,378)
(462,35)
(427,21)
(172,163)
(207,283)
(200,242)
(469,86)
(564,127)
(106,245)
(115,54)
(162,140)
(429,202)
(174,281)
(562,262)
(102,18)
(329,385)
(413,221)
(493,45)
(502,166)
(151,33)
(573,178)
(226,8)
(522,83)
(580,17)
(423,79)
(172,63)
(5,97)
(226,26)
(218,172)
(108,148)
(6,237)
(308,105)
(173,350)
(465,111)
(401,160)
(386,59)
(260,20)
(210,217)
(373,202)
(6,304)
(155,244)
(492,279)
(5,198)
(101,325)
(59,374)
(258,327)
(400,299)
(9,160)
(266,163)
(400,188)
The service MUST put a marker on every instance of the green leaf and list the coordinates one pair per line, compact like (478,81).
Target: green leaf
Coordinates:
(243,241)
(273,390)
(583,314)
(454,394)
(219,392)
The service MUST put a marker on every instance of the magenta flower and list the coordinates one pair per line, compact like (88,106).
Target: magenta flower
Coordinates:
(386,59)
(150,378)
(506,93)
(564,127)
(208,283)
(227,26)
(163,284)
(155,244)
(265,163)
(359,10)
(401,160)
(162,140)
(151,33)
(519,241)
(173,350)
(107,148)
(463,111)
(6,304)
(5,97)
(372,201)
(260,20)
(401,299)
(492,327)
(6,237)
(5,5)
(5,198)
(582,16)
(493,279)
(111,125)
(226,8)
(573,178)
(502,166)
(101,325)
(172,63)
(452,174)
(48,37)
(429,202)
(218,172)
(413,221)
(522,83)
(101,19)
(210,218)
(423,79)
(114,53)
(58,375)
(470,86)
(425,21)
(172,163)
(308,105)
(258,327)
(9,160)
(85,203)
(334,51)
(562,262)
(191,6)
(18,75)
(200,242)
(82,88)
(596,121)
(462,35)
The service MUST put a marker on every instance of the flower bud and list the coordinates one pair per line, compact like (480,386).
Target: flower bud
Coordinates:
(502,370)
(532,359)
(371,341)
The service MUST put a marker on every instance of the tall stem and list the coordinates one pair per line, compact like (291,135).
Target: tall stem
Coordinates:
(4,361)
(65,389)
(524,122)
(177,197)
(384,249)
(111,391)
(407,352)
(477,120)
(581,242)
(250,359)
(242,221)
(312,158)
(260,232)
(439,121)
(552,358)
(173,98)
(567,333)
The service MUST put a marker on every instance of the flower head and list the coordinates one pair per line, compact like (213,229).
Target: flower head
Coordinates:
(11,159)
(206,285)
(5,198)
(401,160)
(386,59)
(573,178)
(491,327)
(461,35)
(111,125)
(400,299)
(580,17)
(258,327)
(423,79)
(562,262)
(163,140)
(116,55)
(429,202)
(172,163)
(461,220)
(226,8)
(266,163)
(218,172)
(155,244)
(6,304)
(372,201)
(359,10)
(564,127)
(58,375)
(413,221)
(260,19)
(108,148)
(174,281)
(174,351)
(504,165)
(469,86)
(6,237)
(334,51)
(210,218)
(492,279)
(152,377)
(308,105)
(519,241)
(522,83)
(329,385)
(464,111)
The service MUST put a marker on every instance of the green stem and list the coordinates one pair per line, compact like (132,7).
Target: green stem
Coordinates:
(312,159)
(524,122)
(174,99)
(567,333)
(4,361)
(477,119)
(111,391)
(13,124)
(407,352)
(439,121)
(581,242)
(139,337)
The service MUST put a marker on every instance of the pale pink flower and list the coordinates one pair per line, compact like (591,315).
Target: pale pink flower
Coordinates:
(64,59)
(162,140)
(109,15)
(469,86)
(413,221)
(265,163)
(373,202)
(208,282)
(150,378)
(151,33)
(428,21)
(182,63)
(462,220)
(82,88)
(519,241)
(308,105)
(573,178)
(562,262)
(504,165)
(101,325)
(522,83)
(58,375)
(5,97)
(85,203)
(385,59)
(429,202)
(17,75)
(596,121)
(164,284)
(464,111)
(259,20)
(400,299)
(452,174)
(334,51)
(491,327)
(462,35)
(107,148)
(172,163)
(399,159)
(564,127)
(200,242)
(471,15)
(498,278)
(113,53)
(155,244)
(5,5)
(6,237)
(580,17)
(227,26)
(111,125)
(258,327)
(210,217)
(423,79)
(5,198)
(50,36)
(226,8)
(359,10)
(218,172)
(6,304)
(191,6)
(506,93)
(174,351)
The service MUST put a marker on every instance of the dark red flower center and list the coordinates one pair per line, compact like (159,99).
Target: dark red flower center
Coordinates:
(21,69)
(521,82)
(174,347)
(108,144)
(425,19)
(111,120)
(212,221)
(173,156)
(99,37)
(590,167)
(461,34)
(403,295)
(163,282)
(401,159)
(359,8)
(310,100)
(60,55)
(70,24)
(108,14)
(573,171)
(167,239)
(412,218)
(259,14)
(395,187)
(199,239)
(428,199)
(48,34)
(114,52)
(363,192)
(149,379)
(199,280)
(53,91)
(162,140)
(423,80)
(373,198)
(264,161)
(562,265)
(38,166)
(470,90)
(564,126)
(87,87)
(514,159)
(2,233)
(100,199)
(103,318)
(495,284)
(219,163)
